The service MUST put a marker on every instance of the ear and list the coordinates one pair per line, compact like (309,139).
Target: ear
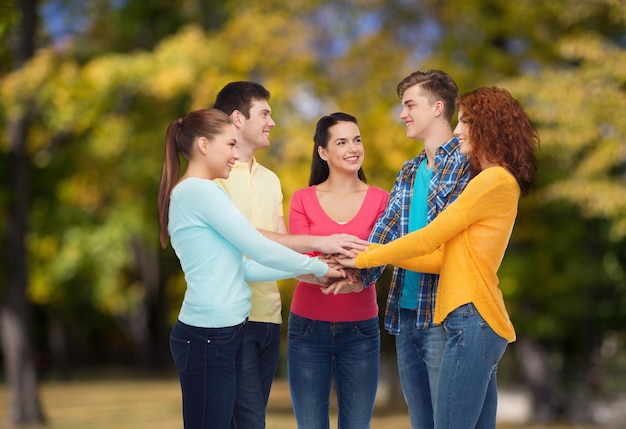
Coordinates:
(439,108)
(237,118)
(322,153)
(203,145)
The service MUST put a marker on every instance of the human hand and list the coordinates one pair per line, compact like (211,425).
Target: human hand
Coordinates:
(343,286)
(341,244)
(334,273)
(345,262)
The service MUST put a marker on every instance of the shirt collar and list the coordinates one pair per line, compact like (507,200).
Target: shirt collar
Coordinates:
(244,166)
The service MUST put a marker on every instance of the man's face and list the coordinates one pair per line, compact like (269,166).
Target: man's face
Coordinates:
(255,131)
(418,112)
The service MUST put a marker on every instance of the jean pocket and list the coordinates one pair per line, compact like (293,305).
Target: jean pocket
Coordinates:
(493,344)
(368,329)
(180,347)
(223,336)
(297,327)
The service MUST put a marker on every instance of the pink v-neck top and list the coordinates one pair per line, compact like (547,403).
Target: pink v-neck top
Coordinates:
(306,216)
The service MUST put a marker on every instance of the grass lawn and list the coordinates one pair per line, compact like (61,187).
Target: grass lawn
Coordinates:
(154,403)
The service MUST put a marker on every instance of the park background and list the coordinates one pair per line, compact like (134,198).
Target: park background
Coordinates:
(87,90)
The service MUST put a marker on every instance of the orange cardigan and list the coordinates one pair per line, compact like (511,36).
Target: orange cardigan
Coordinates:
(475,230)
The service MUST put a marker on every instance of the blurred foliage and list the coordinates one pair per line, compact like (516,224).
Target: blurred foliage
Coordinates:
(104,93)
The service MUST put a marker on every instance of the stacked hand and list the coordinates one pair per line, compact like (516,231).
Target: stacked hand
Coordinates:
(350,282)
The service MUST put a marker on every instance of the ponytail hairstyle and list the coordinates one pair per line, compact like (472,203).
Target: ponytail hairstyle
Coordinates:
(319,167)
(501,132)
(180,137)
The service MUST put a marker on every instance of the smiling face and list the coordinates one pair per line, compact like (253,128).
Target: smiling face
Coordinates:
(418,112)
(221,153)
(255,131)
(344,150)
(462,133)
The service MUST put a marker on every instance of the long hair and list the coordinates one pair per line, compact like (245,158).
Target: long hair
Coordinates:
(180,137)
(319,167)
(239,96)
(501,132)
(436,85)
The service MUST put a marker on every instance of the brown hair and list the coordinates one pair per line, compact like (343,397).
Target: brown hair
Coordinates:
(239,96)
(436,85)
(501,132)
(180,137)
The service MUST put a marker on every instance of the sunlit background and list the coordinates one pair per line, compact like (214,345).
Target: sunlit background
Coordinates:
(87,90)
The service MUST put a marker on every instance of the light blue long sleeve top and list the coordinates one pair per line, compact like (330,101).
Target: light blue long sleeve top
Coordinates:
(210,237)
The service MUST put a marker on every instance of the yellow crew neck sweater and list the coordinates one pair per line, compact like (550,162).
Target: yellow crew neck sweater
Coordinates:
(465,244)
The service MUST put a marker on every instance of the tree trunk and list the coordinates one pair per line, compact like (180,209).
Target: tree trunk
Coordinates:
(534,363)
(16,311)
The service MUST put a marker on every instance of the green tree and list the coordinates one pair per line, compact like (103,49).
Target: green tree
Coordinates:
(16,317)
(98,107)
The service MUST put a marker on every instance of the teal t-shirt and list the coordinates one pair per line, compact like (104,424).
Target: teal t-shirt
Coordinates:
(418,218)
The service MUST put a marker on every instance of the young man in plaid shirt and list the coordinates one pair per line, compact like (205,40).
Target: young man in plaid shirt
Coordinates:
(424,186)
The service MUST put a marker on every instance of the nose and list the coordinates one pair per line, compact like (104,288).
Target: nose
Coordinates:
(403,113)
(272,124)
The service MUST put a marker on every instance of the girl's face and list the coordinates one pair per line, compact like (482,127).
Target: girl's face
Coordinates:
(221,153)
(462,133)
(344,151)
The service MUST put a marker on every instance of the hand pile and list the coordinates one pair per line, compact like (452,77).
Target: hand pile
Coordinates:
(342,276)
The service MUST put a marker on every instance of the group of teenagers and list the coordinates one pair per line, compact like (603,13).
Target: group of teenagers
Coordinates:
(444,227)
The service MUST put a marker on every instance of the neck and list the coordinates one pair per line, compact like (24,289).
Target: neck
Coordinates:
(484,164)
(342,183)
(244,149)
(439,135)
(196,170)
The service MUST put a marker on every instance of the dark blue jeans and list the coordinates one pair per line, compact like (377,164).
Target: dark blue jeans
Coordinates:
(320,352)
(261,352)
(208,360)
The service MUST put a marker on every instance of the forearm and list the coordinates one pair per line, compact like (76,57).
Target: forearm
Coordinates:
(299,243)
(391,253)
(430,263)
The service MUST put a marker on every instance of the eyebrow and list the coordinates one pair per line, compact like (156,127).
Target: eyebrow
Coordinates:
(338,139)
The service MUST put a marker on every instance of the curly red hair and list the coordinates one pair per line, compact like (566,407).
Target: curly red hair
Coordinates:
(501,132)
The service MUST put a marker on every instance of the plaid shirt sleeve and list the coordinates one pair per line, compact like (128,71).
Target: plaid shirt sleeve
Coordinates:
(387,227)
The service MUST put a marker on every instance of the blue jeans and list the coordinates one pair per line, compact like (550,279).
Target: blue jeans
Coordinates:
(261,352)
(468,394)
(419,354)
(320,352)
(207,360)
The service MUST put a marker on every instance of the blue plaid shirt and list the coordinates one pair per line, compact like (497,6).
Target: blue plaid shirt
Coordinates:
(450,175)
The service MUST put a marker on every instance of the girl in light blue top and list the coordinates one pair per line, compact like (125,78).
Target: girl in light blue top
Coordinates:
(210,237)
